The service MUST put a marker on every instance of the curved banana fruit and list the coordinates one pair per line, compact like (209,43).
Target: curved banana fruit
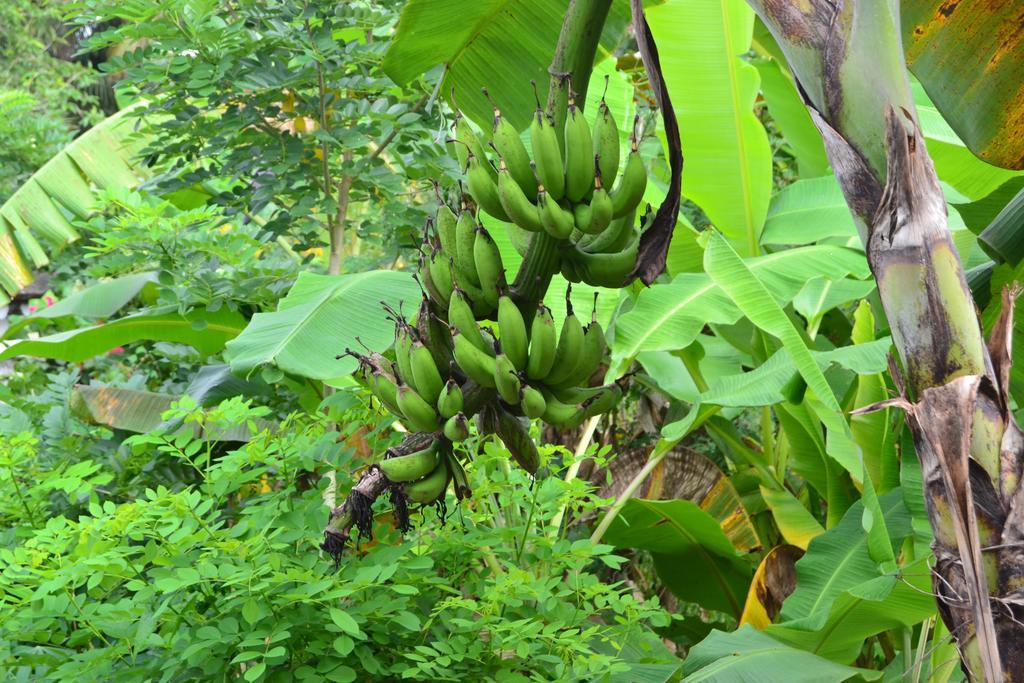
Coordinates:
(478,365)
(429,489)
(542,344)
(514,341)
(483,189)
(606,144)
(489,267)
(404,338)
(589,358)
(408,468)
(515,203)
(613,239)
(506,380)
(630,191)
(532,402)
(420,415)
(560,414)
(547,155)
(509,145)
(605,270)
(555,220)
(579,159)
(465,235)
(456,428)
(570,343)
(461,317)
(471,144)
(450,401)
(516,437)
(426,378)
(445,221)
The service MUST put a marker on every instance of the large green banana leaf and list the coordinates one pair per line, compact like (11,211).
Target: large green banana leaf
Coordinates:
(36,220)
(970,58)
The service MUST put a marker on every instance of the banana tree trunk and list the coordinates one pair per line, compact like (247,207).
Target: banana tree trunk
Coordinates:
(847,58)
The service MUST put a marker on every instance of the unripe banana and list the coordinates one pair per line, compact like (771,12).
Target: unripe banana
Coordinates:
(488,266)
(460,316)
(630,190)
(603,402)
(568,271)
(600,209)
(532,401)
(547,155)
(441,278)
(426,378)
(613,239)
(555,220)
(606,144)
(456,428)
(465,235)
(419,414)
(483,189)
(589,358)
(471,144)
(429,489)
(385,388)
(579,159)
(517,207)
(478,365)
(560,414)
(506,379)
(407,468)
(542,344)
(570,344)
(459,478)
(510,146)
(605,270)
(404,338)
(514,341)
(445,221)
(450,400)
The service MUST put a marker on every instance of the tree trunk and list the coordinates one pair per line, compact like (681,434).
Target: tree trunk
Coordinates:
(847,57)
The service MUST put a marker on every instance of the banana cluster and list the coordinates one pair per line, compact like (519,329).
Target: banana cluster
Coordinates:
(425,474)
(566,189)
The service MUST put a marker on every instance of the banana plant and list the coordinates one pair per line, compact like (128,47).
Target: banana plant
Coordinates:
(848,59)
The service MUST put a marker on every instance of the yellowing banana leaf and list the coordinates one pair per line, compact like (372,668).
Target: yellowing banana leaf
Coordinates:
(36,220)
(728,158)
(205,331)
(970,58)
(773,582)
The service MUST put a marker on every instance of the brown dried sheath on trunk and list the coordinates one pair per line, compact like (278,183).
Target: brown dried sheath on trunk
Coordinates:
(847,58)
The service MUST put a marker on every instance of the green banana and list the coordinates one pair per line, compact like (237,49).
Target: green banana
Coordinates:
(532,401)
(605,270)
(613,239)
(509,145)
(555,220)
(547,154)
(441,278)
(445,222)
(408,468)
(627,194)
(471,144)
(579,159)
(384,386)
(404,338)
(506,379)
(420,415)
(429,489)
(589,358)
(489,267)
(460,316)
(602,402)
(465,235)
(606,144)
(600,209)
(456,427)
(569,271)
(450,400)
(514,341)
(462,487)
(478,365)
(426,378)
(516,205)
(570,343)
(558,414)
(542,344)
(483,189)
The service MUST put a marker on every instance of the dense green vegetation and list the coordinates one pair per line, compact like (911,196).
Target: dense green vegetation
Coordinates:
(211,215)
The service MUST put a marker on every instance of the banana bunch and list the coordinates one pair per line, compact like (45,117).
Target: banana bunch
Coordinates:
(567,190)
(459,255)
(424,475)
